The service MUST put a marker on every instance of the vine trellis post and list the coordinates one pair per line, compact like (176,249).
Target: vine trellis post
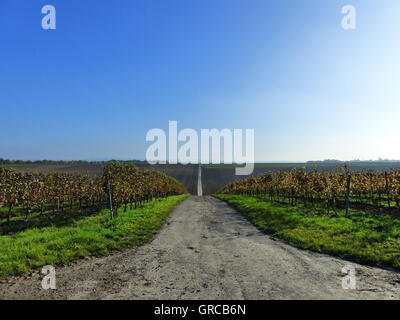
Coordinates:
(110,200)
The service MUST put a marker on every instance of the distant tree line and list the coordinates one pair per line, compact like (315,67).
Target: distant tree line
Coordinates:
(6,161)
(64,162)
(334,161)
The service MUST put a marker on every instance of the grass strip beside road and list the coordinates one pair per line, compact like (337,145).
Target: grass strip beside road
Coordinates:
(372,238)
(90,236)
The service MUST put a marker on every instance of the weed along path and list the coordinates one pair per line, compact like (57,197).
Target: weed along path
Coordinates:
(206,250)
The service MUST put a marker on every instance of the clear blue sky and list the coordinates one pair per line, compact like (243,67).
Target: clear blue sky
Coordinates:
(112,70)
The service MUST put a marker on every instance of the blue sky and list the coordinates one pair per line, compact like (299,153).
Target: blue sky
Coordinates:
(112,70)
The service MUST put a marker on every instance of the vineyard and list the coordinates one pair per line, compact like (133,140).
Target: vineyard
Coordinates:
(353,215)
(34,193)
(331,190)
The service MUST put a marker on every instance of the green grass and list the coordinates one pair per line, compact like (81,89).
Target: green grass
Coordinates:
(19,222)
(372,238)
(94,235)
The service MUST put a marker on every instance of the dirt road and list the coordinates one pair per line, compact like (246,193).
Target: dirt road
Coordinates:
(206,250)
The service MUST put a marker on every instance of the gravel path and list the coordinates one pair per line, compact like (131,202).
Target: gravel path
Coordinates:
(206,250)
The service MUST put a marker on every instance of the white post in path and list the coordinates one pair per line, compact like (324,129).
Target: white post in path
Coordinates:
(199,185)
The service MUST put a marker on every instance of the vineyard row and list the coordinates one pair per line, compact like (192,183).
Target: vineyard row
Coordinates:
(37,192)
(331,189)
